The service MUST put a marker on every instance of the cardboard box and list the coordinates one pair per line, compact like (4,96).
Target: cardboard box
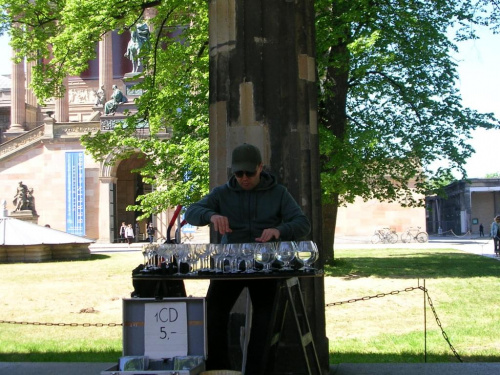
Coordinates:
(162,337)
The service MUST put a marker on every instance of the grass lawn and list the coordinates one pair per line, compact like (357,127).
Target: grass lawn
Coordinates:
(463,289)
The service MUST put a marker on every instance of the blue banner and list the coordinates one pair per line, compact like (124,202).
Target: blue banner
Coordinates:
(75,193)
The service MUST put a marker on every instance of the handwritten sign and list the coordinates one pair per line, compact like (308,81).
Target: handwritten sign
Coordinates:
(165,329)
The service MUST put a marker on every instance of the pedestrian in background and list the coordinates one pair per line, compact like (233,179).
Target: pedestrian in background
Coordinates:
(129,234)
(151,232)
(123,238)
(495,234)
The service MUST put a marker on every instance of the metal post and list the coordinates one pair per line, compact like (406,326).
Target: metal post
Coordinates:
(425,325)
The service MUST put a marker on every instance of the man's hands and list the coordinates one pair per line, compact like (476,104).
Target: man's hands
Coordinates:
(268,235)
(221,225)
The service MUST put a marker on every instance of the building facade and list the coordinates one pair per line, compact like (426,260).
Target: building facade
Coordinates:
(40,147)
(467,205)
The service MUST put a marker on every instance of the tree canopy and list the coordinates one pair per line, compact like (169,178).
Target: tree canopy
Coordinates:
(389,105)
(389,108)
(174,82)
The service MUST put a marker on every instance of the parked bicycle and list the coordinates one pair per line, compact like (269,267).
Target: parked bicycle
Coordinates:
(414,234)
(385,235)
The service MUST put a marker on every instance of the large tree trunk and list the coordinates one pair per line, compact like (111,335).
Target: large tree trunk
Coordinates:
(329,223)
(332,115)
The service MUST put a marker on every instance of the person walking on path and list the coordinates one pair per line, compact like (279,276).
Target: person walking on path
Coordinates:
(481,230)
(129,234)
(495,234)
(151,232)
(123,228)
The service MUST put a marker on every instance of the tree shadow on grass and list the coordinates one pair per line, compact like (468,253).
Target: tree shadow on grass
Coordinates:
(334,358)
(415,265)
(87,356)
(97,257)
(407,357)
(93,257)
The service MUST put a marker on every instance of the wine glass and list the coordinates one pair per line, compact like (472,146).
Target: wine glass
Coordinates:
(145,255)
(217,252)
(149,256)
(285,253)
(204,253)
(265,253)
(232,257)
(155,259)
(307,252)
(165,254)
(247,254)
(192,257)
(180,253)
(168,252)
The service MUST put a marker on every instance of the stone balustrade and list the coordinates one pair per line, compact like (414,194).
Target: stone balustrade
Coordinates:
(67,130)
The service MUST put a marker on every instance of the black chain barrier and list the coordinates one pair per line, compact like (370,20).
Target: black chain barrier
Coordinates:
(63,324)
(366,298)
(445,336)
(380,295)
(394,292)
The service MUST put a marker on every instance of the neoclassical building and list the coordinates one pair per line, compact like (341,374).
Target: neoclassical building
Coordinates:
(41,147)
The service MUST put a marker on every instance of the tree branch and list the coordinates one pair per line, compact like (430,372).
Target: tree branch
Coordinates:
(400,88)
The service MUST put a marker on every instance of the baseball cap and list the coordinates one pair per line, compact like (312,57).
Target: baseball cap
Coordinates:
(246,157)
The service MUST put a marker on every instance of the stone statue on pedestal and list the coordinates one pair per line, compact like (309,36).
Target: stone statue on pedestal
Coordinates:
(117,98)
(20,197)
(100,97)
(24,198)
(139,39)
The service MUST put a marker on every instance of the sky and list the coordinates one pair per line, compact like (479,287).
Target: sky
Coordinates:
(479,84)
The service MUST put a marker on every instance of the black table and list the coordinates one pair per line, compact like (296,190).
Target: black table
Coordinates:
(274,346)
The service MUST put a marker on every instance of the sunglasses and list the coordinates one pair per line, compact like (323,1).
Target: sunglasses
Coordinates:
(240,174)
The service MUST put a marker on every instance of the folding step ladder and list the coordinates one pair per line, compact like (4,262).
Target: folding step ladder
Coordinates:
(290,295)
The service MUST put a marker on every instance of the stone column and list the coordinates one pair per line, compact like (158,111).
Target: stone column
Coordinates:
(18,98)
(3,208)
(31,101)
(30,95)
(106,63)
(62,105)
(263,91)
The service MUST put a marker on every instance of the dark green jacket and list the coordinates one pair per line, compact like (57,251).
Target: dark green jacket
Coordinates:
(269,205)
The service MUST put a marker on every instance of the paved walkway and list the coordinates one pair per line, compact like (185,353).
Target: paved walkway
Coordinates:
(471,244)
(50,368)
(476,245)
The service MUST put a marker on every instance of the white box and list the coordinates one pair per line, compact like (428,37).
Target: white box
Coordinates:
(170,332)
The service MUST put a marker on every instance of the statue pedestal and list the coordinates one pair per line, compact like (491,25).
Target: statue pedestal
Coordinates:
(25,215)
(132,76)
(131,80)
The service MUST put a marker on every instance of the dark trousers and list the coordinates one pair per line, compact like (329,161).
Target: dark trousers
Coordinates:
(221,296)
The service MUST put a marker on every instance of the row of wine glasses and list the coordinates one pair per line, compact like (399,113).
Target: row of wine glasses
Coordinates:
(231,258)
